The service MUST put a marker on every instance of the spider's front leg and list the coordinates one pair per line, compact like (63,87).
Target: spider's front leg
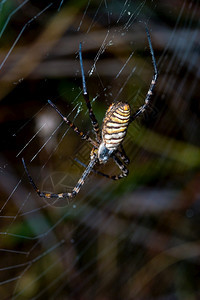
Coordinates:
(121,166)
(68,195)
(122,155)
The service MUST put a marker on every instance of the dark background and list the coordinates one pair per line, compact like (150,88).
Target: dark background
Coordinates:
(137,238)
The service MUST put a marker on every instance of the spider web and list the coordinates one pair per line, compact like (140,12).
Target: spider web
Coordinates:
(114,239)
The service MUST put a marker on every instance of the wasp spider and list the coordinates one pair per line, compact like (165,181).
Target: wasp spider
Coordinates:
(108,143)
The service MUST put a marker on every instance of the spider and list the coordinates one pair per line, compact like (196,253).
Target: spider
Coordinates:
(108,143)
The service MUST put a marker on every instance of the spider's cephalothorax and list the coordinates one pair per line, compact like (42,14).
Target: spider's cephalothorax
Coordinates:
(108,143)
(115,125)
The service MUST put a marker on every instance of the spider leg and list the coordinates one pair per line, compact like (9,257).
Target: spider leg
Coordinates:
(94,122)
(122,155)
(93,170)
(75,190)
(121,166)
(75,128)
(113,177)
(153,82)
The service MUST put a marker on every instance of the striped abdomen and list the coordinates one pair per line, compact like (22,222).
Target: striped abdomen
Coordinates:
(115,125)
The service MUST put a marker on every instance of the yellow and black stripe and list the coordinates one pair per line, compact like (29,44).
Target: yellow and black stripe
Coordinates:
(115,124)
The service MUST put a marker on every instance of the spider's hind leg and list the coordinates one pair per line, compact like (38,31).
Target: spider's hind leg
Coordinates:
(74,127)
(94,121)
(149,94)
